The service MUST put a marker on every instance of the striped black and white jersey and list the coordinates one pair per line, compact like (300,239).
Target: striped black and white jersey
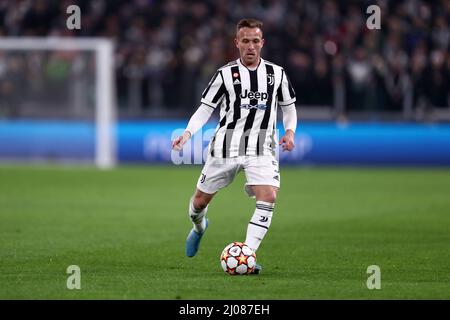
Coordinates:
(248,103)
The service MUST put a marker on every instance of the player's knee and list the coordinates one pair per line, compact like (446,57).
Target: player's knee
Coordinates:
(268,196)
(271,197)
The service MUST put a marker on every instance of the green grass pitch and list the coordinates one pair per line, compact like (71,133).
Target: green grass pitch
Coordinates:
(126,229)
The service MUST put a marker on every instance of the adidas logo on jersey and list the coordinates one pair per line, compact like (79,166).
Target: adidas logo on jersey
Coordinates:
(236,82)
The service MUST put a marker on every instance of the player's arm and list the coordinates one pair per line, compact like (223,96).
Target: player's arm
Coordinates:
(286,99)
(290,124)
(211,98)
(198,120)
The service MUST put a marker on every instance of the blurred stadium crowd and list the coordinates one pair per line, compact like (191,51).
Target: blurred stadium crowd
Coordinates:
(167,50)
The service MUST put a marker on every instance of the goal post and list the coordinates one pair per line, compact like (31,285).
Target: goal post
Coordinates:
(105,100)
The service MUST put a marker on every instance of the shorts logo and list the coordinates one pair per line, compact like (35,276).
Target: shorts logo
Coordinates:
(202,178)
(276,178)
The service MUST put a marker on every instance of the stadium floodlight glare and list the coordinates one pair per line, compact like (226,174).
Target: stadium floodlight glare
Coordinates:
(105,108)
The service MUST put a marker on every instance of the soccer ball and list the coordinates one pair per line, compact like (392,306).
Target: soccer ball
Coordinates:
(238,259)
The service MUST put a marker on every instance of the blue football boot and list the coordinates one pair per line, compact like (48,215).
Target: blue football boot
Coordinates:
(193,241)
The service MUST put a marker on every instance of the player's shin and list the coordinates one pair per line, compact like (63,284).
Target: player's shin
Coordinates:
(197,217)
(259,224)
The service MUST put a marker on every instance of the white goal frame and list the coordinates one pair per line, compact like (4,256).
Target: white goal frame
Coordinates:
(105,102)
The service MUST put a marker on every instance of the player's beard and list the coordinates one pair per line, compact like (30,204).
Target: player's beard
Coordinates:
(250,59)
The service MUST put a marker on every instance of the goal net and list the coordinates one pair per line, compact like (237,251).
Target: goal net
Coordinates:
(57,100)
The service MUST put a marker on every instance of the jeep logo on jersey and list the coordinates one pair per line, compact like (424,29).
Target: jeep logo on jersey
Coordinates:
(254,95)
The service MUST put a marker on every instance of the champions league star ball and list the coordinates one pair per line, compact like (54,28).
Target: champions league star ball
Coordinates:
(238,259)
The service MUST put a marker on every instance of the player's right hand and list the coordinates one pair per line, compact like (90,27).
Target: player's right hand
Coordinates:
(178,143)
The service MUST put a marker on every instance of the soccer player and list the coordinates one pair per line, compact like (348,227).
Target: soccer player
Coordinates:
(248,91)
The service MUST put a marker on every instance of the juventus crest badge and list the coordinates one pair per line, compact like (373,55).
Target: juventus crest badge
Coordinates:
(271,79)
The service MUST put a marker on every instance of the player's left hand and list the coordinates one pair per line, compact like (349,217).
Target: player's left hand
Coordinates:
(287,141)
(178,143)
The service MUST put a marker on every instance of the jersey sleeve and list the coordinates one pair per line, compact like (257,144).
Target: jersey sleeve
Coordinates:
(215,90)
(199,118)
(285,93)
(289,117)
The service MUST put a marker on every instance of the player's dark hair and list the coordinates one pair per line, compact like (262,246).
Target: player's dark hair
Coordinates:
(249,23)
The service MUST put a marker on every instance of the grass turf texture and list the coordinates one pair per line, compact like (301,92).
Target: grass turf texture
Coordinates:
(126,230)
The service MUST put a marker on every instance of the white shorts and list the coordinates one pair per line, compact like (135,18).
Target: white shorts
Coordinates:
(218,173)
